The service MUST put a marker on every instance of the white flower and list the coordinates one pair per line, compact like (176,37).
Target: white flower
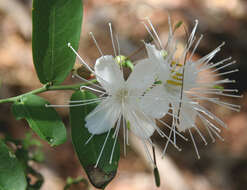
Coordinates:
(183,87)
(122,98)
(119,101)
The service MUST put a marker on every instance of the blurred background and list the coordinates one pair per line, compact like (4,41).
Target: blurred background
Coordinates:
(223,165)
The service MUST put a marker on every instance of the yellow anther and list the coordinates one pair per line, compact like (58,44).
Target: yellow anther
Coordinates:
(177,77)
(172,82)
(177,73)
(177,64)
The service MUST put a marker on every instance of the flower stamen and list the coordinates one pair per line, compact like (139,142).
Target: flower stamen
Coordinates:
(96,43)
(112,40)
(101,151)
(194,143)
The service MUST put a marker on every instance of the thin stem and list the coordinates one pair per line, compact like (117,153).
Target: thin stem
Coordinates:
(48,87)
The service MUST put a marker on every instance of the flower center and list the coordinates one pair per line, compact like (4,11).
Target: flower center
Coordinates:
(122,95)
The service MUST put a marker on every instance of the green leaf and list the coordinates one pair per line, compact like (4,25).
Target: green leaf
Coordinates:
(29,141)
(12,176)
(43,120)
(88,153)
(55,24)
(38,156)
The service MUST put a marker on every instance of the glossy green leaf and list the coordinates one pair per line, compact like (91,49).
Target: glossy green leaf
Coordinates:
(43,120)
(55,24)
(88,153)
(12,176)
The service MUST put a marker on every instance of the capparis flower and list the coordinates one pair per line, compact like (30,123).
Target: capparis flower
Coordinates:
(182,87)
(119,100)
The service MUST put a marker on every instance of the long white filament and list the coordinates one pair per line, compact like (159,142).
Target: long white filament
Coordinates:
(193,141)
(179,134)
(88,81)
(124,135)
(224,66)
(115,135)
(193,51)
(79,57)
(89,139)
(210,115)
(211,125)
(155,33)
(112,40)
(214,64)
(93,89)
(89,100)
(167,142)
(150,33)
(96,43)
(147,152)
(226,73)
(102,149)
(201,135)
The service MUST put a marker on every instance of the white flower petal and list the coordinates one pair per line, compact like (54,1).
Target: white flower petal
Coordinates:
(140,125)
(187,115)
(157,59)
(155,102)
(142,77)
(153,53)
(190,76)
(108,73)
(163,72)
(103,117)
(143,61)
(187,119)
